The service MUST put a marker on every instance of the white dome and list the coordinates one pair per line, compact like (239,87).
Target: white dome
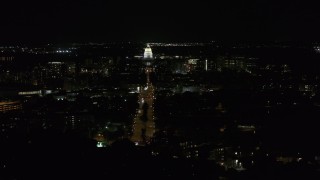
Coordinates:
(148,53)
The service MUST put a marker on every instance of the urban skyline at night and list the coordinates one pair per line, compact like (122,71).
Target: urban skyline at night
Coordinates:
(132,90)
(250,108)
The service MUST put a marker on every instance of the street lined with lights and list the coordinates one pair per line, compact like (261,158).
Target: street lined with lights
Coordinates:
(143,131)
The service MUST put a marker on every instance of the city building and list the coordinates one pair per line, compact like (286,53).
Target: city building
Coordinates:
(56,69)
(148,53)
(7,58)
(6,106)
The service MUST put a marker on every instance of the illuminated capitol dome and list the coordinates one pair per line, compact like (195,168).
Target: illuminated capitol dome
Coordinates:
(148,53)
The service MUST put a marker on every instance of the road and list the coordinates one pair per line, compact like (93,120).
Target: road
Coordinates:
(143,124)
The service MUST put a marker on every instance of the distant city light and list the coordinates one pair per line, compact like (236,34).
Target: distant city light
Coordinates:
(206,65)
(100,145)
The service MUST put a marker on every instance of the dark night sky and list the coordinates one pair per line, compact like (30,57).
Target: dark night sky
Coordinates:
(102,21)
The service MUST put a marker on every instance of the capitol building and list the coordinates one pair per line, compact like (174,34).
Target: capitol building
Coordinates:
(148,53)
(148,56)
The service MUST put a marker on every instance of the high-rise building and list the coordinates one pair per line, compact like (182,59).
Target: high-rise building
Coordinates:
(56,69)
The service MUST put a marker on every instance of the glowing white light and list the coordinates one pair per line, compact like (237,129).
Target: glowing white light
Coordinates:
(100,145)
(206,65)
(148,53)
